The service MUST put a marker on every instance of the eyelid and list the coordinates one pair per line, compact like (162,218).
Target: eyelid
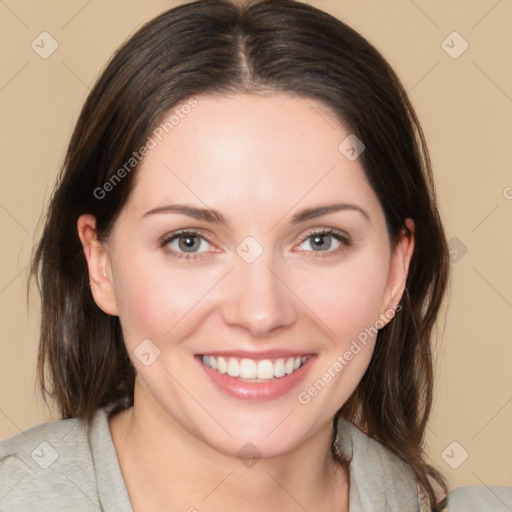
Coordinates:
(173,235)
(339,235)
(165,240)
(326,231)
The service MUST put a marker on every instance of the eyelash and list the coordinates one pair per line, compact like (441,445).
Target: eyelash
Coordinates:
(340,236)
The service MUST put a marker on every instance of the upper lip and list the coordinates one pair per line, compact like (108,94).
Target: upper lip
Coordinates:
(267,354)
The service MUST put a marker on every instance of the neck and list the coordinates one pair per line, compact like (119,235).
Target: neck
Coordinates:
(165,467)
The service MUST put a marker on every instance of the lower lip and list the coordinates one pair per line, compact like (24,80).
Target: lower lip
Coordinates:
(257,391)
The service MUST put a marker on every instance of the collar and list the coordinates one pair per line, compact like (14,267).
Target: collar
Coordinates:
(112,492)
(379,480)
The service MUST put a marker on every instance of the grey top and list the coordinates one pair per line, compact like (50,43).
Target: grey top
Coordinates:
(66,466)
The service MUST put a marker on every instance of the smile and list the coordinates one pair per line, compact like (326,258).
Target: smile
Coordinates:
(252,370)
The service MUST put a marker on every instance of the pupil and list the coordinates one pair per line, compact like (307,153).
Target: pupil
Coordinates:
(319,240)
(187,242)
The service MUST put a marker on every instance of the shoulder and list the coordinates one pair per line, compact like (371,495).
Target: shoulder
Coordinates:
(478,498)
(377,475)
(46,464)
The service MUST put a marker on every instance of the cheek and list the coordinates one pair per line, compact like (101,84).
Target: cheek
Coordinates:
(348,297)
(152,296)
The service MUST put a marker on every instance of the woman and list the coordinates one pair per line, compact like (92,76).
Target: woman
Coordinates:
(240,270)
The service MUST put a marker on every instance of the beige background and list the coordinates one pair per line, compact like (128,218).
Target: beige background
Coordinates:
(465,107)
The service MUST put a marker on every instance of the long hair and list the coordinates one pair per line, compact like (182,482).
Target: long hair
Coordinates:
(217,46)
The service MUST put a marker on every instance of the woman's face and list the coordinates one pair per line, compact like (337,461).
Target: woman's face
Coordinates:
(252,239)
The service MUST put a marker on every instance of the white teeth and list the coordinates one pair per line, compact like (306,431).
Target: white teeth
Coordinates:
(279,370)
(233,367)
(289,365)
(249,369)
(265,369)
(222,366)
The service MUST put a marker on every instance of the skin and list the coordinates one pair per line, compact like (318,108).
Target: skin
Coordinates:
(258,160)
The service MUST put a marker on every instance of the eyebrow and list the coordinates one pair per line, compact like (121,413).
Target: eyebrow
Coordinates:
(215,217)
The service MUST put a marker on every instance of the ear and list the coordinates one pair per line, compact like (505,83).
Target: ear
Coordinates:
(398,270)
(98,263)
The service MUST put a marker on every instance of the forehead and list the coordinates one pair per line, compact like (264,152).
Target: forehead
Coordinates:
(245,151)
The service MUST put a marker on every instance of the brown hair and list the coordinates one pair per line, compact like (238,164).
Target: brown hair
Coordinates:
(215,46)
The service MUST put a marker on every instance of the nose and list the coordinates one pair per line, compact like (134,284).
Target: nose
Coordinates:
(258,298)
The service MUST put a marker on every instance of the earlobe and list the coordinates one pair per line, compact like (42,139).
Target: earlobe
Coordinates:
(98,264)
(398,270)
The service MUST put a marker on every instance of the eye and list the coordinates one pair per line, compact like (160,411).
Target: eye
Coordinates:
(326,240)
(188,244)
(185,244)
